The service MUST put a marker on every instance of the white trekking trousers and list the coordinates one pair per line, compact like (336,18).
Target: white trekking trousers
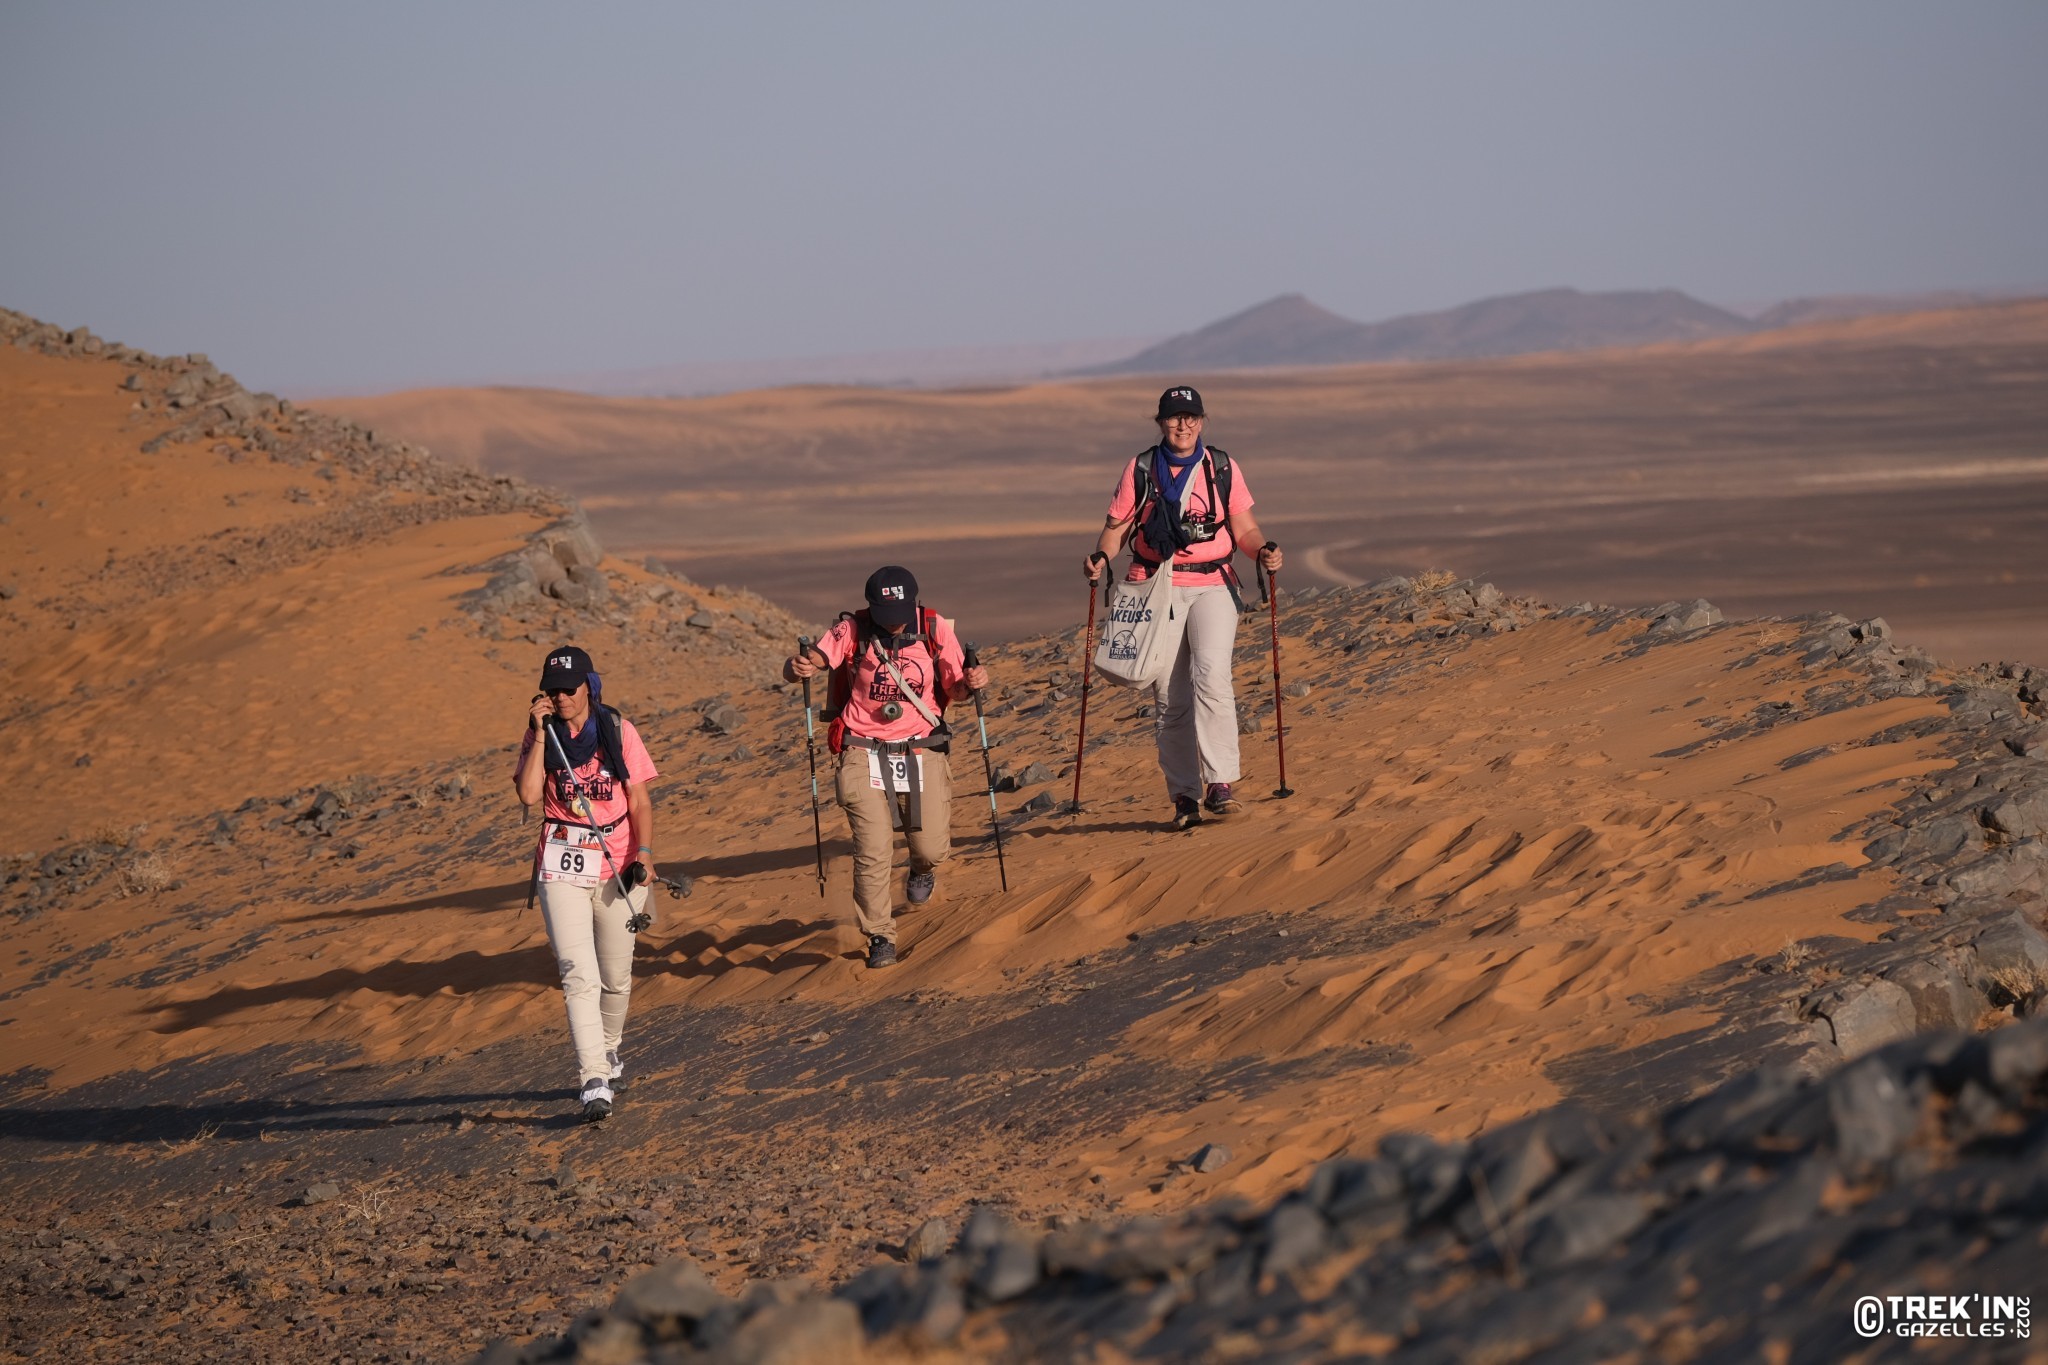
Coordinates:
(1195,720)
(594,950)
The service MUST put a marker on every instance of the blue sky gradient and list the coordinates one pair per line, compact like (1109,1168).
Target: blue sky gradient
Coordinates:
(380,195)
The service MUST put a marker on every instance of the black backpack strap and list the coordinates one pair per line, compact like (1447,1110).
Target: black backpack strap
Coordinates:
(611,737)
(1220,460)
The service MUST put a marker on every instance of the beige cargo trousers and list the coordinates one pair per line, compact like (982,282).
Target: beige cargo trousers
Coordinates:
(874,841)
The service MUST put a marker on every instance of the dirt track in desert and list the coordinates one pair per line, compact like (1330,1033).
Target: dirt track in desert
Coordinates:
(1891,467)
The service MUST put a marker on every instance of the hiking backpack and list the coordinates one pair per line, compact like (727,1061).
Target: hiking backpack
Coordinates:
(1142,488)
(840,687)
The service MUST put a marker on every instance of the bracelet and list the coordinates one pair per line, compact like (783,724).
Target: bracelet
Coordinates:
(643,849)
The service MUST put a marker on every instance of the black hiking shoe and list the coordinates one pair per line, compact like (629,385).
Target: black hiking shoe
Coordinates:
(919,888)
(1187,812)
(881,952)
(596,1099)
(1220,801)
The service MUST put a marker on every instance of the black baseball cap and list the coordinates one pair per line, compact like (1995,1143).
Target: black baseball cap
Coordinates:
(892,596)
(567,668)
(1179,401)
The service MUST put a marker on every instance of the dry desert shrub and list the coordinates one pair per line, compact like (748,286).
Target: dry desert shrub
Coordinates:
(147,875)
(2013,985)
(198,1139)
(1793,956)
(1429,580)
(370,1203)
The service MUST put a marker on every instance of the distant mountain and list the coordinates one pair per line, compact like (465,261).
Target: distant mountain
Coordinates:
(1290,330)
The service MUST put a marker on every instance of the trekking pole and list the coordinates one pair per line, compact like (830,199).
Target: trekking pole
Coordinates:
(1087,677)
(640,919)
(988,768)
(803,649)
(1270,585)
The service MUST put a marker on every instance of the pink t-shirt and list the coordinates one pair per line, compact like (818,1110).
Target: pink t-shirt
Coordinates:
(1194,501)
(607,794)
(873,688)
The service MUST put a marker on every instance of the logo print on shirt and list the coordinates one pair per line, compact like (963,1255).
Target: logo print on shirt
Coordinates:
(596,780)
(883,687)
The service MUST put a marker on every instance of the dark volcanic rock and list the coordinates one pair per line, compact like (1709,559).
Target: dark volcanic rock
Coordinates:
(1756,1213)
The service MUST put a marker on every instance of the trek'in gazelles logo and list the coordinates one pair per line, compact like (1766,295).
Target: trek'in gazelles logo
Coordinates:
(1125,617)
(892,591)
(559,661)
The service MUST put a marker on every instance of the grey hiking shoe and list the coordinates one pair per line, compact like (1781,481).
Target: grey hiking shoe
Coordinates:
(918,889)
(1220,801)
(881,952)
(1187,812)
(596,1099)
(617,1069)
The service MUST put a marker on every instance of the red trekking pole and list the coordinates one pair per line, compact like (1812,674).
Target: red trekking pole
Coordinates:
(1087,677)
(1271,583)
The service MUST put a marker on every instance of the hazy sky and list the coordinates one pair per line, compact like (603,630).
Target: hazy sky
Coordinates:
(379,195)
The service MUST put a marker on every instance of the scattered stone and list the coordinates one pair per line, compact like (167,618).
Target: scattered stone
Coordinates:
(319,1193)
(1033,774)
(673,1292)
(1212,1158)
(1680,618)
(930,1240)
(1865,1016)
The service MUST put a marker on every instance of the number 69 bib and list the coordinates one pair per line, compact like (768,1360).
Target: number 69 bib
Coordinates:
(572,855)
(899,770)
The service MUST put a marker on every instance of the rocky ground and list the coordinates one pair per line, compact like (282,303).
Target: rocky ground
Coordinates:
(1737,1227)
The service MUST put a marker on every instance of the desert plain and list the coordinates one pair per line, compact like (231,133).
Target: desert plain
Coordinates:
(1891,466)
(287,1075)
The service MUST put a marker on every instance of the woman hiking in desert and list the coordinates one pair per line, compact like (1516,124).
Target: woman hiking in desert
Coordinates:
(1184,501)
(585,766)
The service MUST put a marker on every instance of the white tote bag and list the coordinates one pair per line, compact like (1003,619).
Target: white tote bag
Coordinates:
(1142,637)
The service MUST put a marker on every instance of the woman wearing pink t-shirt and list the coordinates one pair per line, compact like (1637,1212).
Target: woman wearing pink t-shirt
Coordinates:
(585,766)
(898,659)
(1200,521)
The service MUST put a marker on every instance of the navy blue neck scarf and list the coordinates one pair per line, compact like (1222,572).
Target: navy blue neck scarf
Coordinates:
(580,746)
(1170,475)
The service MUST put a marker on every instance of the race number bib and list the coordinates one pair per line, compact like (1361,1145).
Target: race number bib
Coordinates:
(899,770)
(572,855)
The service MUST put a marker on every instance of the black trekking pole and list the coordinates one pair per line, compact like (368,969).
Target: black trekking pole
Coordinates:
(803,650)
(1270,585)
(1087,677)
(640,919)
(988,768)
